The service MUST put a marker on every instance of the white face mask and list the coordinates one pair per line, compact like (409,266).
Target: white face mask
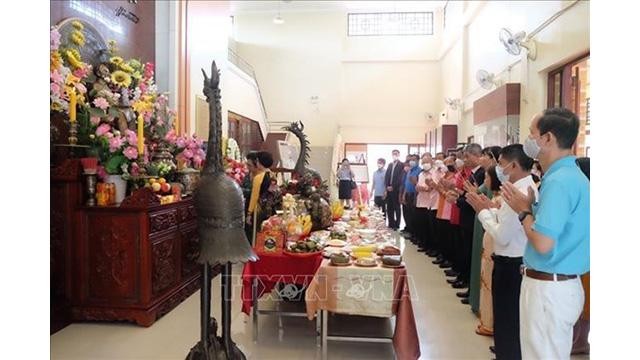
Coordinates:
(426,166)
(501,175)
(395,157)
(531,148)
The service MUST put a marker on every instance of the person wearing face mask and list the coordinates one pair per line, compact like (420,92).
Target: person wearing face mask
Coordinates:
(557,230)
(487,160)
(509,242)
(409,197)
(426,204)
(377,186)
(443,227)
(393,183)
(346,183)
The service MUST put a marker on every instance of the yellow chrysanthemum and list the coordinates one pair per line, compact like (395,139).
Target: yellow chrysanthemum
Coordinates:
(125,67)
(77,38)
(55,60)
(71,80)
(121,78)
(73,60)
(142,106)
(136,75)
(116,60)
(113,49)
(56,106)
(77,25)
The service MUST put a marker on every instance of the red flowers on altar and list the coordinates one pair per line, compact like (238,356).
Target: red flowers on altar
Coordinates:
(236,170)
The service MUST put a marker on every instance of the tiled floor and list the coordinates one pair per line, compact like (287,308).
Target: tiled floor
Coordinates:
(445,327)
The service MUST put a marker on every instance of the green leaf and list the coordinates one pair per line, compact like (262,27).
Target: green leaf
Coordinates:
(97,112)
(113,112)
(113,164)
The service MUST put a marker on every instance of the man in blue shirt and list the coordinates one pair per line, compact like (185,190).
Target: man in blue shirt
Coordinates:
(557,228)
(408,198)
(377,187)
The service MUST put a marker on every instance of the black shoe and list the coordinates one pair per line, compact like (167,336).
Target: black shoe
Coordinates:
(432,253)
(492,349)
(451,272)
(446,264)
(452,281)
(421,249)
(459,284)
(465,301)
(463,294)
(437,261)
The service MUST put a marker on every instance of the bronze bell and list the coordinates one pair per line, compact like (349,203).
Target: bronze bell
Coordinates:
(220,206)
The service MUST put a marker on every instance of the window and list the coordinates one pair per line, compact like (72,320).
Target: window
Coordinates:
(569,86)
(392,23)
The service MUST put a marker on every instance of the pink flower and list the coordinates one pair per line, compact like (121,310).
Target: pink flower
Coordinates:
(101,103)
(81,72)
(135,169)
(103,129)
(181,142)
(171,137)
(102,173)
(54,37)
(55,88)
(131,153)
(115,143)
(197,160)
(131,137)
(56,77)
(108,135)
(188,154)
(81,88)
(148,70)
(94,120)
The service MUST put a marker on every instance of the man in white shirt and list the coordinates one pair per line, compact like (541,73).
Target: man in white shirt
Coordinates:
(509,238)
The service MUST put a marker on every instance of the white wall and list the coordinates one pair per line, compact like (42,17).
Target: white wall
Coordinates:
(166,71)
(361,83)
(476,37)
(240,95)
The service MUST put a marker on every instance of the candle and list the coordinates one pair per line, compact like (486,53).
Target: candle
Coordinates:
(140,134)
(72,106)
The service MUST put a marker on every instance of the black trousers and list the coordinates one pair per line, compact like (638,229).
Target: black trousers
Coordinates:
(505,291)
(393,210)
(424,223)
(466,240)
(379,202)
(444,231)
(408,209)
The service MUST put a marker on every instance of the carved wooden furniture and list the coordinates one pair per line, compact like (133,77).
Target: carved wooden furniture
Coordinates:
(135,262)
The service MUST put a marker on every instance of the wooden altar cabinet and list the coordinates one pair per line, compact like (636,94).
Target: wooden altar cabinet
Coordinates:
(135,262)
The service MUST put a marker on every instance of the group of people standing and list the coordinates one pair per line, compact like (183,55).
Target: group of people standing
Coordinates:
(511,232)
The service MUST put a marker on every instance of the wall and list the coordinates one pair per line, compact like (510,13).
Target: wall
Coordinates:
(382,83)
(167,49)
(474,43)
(134,40)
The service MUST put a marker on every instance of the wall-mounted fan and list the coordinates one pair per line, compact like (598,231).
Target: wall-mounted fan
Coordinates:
(453,103)
(514,43)
(94,50)
(485,79)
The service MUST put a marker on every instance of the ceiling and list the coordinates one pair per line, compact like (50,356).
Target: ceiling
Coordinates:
(244,7)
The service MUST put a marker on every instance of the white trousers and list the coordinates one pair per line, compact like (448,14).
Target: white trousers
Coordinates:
(548,311)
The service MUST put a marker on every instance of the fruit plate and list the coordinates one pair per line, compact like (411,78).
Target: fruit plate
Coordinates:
(302,255)
(393,266)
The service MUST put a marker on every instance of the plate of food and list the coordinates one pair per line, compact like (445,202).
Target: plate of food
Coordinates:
(366,262)
(339,235)
(304,248)
(340,259)
(366,233)
(388,250)
(392,261)
(336,243)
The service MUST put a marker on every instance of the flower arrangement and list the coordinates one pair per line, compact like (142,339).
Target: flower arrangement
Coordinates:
(306,185)
(187,150)
(67,72)
(232,150)
(236,170)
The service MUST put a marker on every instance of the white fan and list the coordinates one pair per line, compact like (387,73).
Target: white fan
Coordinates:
(453,103)
(485,79)
(514,43)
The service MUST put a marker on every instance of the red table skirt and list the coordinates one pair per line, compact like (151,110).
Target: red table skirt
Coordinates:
(271,269)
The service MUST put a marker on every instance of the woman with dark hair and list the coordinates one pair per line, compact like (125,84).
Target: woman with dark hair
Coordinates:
(488,159)
(259,189)
(492,185)
(345,182)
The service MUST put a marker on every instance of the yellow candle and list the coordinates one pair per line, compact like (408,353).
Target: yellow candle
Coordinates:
(72,106)
(140,134)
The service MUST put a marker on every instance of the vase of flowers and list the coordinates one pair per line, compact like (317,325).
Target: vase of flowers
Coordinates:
(120,185)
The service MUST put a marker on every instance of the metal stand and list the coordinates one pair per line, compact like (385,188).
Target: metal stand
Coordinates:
(354,338)
(91,180)
(210,346)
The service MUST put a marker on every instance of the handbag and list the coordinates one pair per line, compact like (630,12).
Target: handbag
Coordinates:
(353,185)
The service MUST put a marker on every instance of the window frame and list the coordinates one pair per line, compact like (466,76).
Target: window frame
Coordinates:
(430,32)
